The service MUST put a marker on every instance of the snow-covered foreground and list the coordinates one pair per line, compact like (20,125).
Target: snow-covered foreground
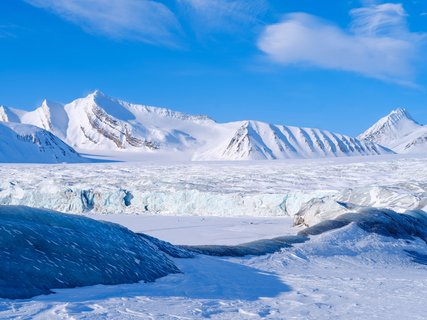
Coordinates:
(343,274)
(279,188)
(355,272)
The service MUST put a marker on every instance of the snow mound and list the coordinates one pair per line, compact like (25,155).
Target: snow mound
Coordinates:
(351,229)
(25,143)
(43,250)
(408,225)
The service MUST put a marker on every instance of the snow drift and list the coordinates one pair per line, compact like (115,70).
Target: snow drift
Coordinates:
(408,225)
(411,226)
(43,250)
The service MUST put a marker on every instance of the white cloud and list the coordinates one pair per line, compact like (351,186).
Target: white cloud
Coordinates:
(377,44)
(388,19)
(141,20)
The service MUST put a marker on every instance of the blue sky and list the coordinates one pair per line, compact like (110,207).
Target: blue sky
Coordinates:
(332,64)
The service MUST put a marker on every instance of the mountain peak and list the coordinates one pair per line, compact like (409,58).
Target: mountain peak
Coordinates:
(398,115)
(49,105)
(46,103)
(96,94)
(389,130)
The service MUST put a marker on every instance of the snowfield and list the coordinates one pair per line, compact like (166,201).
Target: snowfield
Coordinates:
(346,273)
(368,263)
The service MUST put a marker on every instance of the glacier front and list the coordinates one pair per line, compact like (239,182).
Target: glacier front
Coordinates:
(279,188)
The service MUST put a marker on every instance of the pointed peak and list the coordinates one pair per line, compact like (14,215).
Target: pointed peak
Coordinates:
(97,93)
(398,115)
(400,111)
(48,104)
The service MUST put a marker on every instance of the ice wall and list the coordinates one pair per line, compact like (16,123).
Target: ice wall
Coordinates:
(266,189)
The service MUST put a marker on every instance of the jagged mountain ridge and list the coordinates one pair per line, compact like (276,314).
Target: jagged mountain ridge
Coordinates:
(399,132)
(100,124)
(256,140)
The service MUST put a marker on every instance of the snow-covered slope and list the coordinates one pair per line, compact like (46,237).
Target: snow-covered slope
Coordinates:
(399,132)
(98,124)
(31,144)
(43,250)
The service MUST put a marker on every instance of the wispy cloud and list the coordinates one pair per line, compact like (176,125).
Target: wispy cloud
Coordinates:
(140,20)
(154,21)
(221,15)
(377,44)
(6,31)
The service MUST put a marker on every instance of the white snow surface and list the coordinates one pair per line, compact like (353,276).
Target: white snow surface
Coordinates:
(99,125)
(342,274)
(399,132)
(279,188)
(25,143)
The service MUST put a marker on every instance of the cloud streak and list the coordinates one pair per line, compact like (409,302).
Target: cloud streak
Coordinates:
(377,44)
(5,31)
(139,20)
(153,21)
(224,14)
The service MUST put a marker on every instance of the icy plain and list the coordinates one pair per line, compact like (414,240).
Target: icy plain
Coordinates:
(346,273)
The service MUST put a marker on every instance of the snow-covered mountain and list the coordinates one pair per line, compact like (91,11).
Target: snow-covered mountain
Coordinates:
(399,132)
(98,124)
(254,140)
(31,144)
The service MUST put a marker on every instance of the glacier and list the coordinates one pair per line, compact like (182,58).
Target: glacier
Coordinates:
(291,188)
(43,250)
(339,238)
